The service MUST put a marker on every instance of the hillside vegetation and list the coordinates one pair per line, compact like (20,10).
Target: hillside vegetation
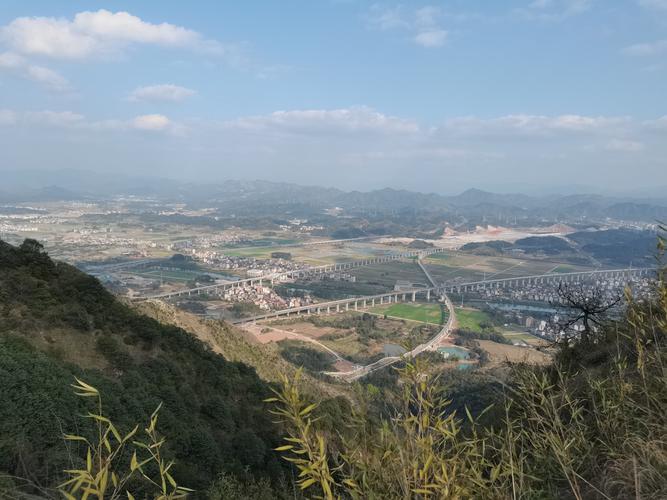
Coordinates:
(234,345)
(57,323)
(592,425)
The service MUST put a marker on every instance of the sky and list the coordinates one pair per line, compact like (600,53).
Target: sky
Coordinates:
(516,95)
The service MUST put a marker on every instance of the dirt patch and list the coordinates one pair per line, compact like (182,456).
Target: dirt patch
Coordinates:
(499,353)
(344,365)
(310,330)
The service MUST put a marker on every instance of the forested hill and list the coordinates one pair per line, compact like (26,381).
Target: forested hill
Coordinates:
(57,322)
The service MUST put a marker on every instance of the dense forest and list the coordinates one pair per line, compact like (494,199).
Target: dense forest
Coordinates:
(57,323)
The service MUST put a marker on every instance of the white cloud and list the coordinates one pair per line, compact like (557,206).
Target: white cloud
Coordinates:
(624,146)
(553,10)
(646,49)
(69,120)
(433,38)
(20,66)
(424,23)
(347,120)
(361,145)
(522,124)
(55,118)
(163,92)
(387,18)
(427,17)
(99,33)
(151,122)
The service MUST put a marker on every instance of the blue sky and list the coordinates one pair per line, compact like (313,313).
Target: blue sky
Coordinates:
(433,96)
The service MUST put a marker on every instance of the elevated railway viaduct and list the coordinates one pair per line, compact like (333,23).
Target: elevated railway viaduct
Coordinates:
(356,303)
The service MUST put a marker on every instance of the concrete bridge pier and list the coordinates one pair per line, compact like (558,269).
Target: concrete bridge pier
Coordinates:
(337,308)
(328,309)
(428,295)
(372,302)
(414,296)
(347,306)
(355,305)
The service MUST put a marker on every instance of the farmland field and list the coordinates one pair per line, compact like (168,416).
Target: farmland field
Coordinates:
(388,273)
(451,266)
(317,255)
(426,313)
(471,319)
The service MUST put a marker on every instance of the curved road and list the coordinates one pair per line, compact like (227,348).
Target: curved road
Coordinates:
(431,345)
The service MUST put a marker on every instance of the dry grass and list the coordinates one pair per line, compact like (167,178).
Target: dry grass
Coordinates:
(235,344)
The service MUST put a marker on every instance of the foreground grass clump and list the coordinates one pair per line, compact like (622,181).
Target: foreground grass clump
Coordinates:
(106,473)
(592,425)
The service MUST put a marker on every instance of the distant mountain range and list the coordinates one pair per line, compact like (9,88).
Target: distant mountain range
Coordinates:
(37,185)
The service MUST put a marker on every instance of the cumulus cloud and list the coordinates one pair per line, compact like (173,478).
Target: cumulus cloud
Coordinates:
(92,34)
(163,92)
(20,66)
(346,120)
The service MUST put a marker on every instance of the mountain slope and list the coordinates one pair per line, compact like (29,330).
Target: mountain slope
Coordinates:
(232,343)
(57,322)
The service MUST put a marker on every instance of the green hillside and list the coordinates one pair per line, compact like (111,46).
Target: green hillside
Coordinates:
(57,322)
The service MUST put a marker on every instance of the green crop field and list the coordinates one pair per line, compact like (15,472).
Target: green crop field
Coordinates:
(426,313)
(471,319)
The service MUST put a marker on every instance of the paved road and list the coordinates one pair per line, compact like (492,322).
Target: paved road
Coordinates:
(431,345)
